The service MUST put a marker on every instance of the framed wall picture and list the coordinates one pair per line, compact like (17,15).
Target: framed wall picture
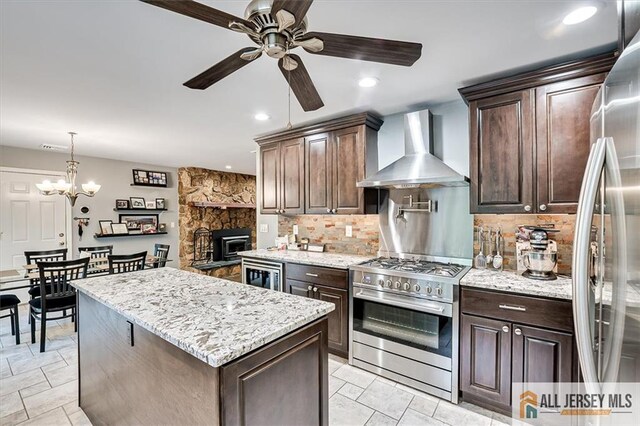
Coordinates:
(149,178)
(122,204)
(149,228)
(105,227)
(162,227)
(151,205)
(119,228)
(135,222)
(137,203)
(160,204)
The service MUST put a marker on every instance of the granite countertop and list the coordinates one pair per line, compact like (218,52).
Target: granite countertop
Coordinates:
(512,281)
(330,260)
(213,319)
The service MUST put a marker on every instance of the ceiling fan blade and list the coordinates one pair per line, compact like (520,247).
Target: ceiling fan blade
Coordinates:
(285,20)
(220,70)
(297,8)
(289,64)
(199,11)
(301,85)
(367,49)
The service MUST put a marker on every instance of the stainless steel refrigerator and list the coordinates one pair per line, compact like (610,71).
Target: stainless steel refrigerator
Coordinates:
(606,258)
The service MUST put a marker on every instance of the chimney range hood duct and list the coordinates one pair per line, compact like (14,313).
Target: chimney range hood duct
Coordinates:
(418,167)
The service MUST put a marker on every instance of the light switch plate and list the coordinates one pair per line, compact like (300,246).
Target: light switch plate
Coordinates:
(264,227)
(348,231)
(295,229)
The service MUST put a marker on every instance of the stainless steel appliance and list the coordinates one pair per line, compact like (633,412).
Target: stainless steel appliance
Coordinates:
(262,273)
(538,260)
(404,322)
(606,258)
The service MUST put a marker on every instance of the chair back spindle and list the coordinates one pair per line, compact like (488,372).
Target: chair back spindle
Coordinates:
(121,263)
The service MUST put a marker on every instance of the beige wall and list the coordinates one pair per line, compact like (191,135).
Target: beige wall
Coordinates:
(115,178)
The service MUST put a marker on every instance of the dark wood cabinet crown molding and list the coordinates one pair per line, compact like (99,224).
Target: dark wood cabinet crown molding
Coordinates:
(542,76)
(365,118)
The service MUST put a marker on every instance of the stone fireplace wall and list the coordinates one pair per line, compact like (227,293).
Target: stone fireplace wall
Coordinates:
(197,184)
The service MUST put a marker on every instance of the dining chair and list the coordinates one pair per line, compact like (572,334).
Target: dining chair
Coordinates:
(42,256)
(61,298)
(96,252)
(10,302)
(161,251)
(120,263)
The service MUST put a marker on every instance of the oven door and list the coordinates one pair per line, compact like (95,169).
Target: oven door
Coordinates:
(402,321)
(262,274)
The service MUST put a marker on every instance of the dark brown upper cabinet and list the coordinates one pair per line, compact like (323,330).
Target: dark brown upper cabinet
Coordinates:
(529,137)
(563,112)
(318,167)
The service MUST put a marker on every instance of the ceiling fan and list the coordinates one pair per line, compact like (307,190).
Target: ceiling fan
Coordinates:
(277,26)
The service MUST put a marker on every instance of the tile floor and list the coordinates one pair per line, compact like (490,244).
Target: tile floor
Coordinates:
(41,389)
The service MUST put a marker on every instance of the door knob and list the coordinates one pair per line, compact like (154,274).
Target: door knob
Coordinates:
(61,243)
(61,234)
(505,328)
(517,331)
(527,208)
(543,207)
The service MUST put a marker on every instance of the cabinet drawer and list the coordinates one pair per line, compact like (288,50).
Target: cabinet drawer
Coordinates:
(555,314)
(330,277)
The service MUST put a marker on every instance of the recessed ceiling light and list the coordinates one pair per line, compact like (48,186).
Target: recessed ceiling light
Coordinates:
(368,82)
(261,116)
(580,15)
(227,167)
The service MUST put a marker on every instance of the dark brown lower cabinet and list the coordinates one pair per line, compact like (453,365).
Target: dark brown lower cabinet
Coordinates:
(498,351)
(329,285)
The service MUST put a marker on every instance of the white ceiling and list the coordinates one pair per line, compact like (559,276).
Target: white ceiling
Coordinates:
(113,70)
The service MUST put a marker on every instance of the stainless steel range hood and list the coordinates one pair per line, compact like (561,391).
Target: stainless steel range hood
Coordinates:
(418,167)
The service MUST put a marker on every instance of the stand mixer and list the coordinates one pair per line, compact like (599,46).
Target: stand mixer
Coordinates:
(540,261)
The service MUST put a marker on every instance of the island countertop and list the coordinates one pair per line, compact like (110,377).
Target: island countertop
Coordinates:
(213,319)
(329,260)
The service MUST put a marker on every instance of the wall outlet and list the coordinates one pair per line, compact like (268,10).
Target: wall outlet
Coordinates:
(264,227)
(348,231)
(295,229)
(173,224)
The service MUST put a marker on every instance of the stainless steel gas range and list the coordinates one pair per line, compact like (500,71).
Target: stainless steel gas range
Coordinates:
(404,322)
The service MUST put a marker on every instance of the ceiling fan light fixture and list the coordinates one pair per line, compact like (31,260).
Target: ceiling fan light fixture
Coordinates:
(261,116)
(579,15)
(368,82)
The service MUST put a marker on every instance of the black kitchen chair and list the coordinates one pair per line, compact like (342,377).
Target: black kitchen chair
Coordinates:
(42,256)
(10,302)
(120,263)
(61,298)
(97,252)
(161,251)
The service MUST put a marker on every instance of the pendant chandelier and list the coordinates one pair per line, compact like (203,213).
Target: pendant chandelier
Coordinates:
(68,187)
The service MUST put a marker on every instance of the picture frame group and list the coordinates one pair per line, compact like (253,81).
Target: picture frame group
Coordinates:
(139,203)
(107,227)
(149,178)
(140,223)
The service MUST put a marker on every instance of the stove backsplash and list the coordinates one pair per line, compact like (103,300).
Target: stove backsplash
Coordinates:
(446,232)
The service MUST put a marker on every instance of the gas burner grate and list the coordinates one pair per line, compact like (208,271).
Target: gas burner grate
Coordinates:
(416,266)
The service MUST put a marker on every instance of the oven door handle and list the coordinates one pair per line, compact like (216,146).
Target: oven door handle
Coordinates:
(401,301)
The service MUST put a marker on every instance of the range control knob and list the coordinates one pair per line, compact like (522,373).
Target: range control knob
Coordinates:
(396,285)
(406,286)
(439,291)
(416,288)
(429,289)
(380,282)
(388,283)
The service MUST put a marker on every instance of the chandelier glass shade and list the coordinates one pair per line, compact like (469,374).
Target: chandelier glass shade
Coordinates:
(68,187)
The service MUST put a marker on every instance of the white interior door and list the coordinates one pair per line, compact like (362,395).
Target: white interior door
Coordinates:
(29,220)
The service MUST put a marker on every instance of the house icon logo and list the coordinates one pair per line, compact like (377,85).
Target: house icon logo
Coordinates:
(528,405)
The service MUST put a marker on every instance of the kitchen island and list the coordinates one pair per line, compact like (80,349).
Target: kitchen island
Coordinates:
(165,346)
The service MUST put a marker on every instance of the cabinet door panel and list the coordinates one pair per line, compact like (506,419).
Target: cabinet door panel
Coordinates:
(298,288)
(541,355)
(563,112)
(348,169)
(338,318)
(292,176)
(485,364)
(501,155)
(270,178)
(318,193)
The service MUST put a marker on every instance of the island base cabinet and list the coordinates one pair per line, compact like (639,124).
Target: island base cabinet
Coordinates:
(129,375)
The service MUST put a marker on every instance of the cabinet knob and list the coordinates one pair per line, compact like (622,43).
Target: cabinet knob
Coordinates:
(505,328)
(315,289)
(310,287)
(334,211)
(328,210)
(281,211)
(527,208)
(517,331)
(543,207)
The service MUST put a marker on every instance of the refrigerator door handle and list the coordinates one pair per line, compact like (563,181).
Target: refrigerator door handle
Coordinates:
(581,245)
(613,344)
